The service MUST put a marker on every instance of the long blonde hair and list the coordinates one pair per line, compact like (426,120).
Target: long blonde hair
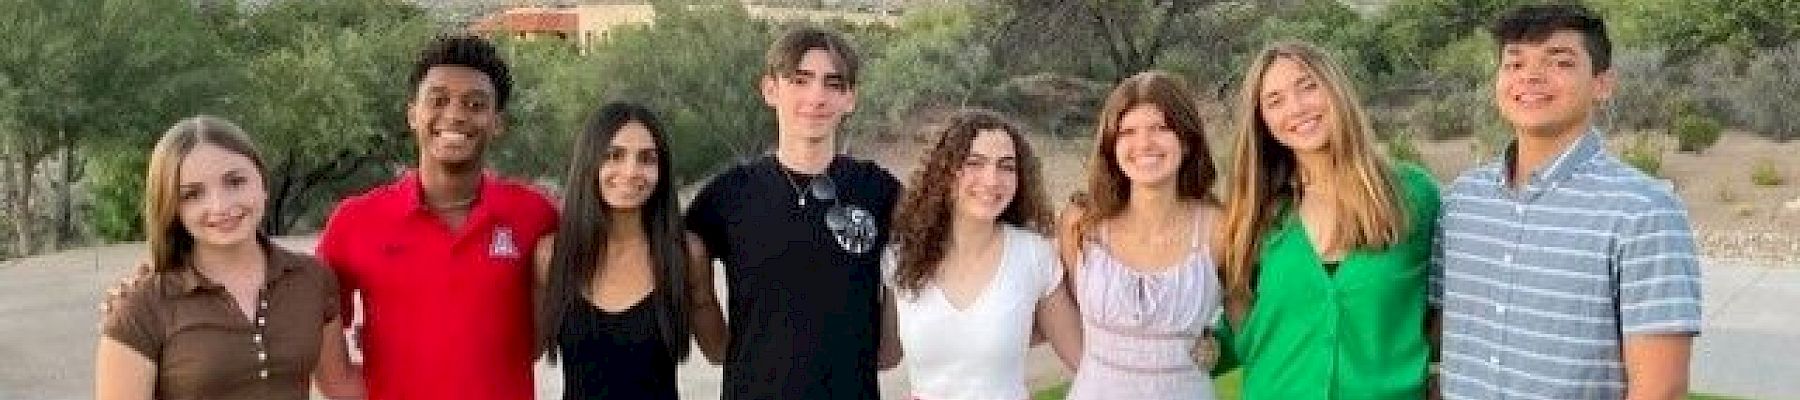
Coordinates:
(1108,188)
(1264,174)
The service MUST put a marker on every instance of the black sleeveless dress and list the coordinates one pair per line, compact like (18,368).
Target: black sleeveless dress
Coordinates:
(615,355)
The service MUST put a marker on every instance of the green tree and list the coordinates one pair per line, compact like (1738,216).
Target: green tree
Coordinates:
(556,89)
(316,84)
(938,58)
(1109,40)
(698,68)
(1690,27)
(328,115)
(93,75)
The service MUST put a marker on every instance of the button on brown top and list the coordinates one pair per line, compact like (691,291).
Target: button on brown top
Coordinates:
(204,347)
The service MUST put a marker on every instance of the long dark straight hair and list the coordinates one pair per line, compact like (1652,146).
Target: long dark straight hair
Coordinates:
(576,258)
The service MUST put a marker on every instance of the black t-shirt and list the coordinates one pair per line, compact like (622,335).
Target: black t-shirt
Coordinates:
(803,298)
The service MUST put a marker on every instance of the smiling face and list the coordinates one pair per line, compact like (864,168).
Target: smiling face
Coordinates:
(1147,147)
(453,115)
(220,196)
(811,100)
(989,176)
(628,172)
(1549,87)
(1296,107)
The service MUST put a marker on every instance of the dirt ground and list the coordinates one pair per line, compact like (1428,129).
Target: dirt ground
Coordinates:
(1733,218)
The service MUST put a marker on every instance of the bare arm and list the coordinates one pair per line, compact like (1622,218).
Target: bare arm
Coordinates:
(336,377)
(889,353)
(1656,366)
(1068,243)
(703,302)
(1060,322)
(540,261)
(121,373)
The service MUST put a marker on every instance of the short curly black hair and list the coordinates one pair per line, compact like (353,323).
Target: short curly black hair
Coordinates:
(467,51)
(1534,23)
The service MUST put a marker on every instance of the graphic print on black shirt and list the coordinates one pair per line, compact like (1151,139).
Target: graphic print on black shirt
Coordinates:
(803,305)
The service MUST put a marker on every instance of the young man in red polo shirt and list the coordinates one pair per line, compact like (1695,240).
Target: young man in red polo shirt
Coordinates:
(441,256)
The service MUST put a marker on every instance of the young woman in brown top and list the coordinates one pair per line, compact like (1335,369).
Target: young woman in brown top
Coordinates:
(218,312)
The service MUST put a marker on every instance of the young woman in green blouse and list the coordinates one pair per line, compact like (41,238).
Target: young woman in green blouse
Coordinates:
(1324,242)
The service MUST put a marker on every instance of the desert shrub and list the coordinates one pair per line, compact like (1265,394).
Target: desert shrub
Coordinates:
(1643,153)
(1695,132)
(1765,174)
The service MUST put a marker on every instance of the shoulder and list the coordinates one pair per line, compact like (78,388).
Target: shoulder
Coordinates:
(1416,185)
(1630,189)
(1032,243)
(139,291)
(1485,173)
(1412,176)
(518,193)
(1481,178)
(375,200)
(306,265)
(867,172)
(731,178)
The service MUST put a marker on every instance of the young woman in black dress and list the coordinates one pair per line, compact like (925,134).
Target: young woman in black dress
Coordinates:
(610,305)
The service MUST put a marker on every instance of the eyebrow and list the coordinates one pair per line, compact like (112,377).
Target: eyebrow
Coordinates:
(1269,93)
(435,89)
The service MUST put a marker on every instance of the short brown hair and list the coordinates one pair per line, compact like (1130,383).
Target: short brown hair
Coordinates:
(784,56)
(170,243)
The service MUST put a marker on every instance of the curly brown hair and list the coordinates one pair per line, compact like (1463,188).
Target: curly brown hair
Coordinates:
(922,225)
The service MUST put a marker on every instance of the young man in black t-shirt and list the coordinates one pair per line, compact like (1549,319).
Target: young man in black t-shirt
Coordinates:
(800,233)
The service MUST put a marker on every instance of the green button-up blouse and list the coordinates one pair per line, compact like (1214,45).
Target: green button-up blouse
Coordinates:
(1355,334)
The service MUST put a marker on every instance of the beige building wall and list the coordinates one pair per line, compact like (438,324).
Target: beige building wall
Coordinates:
(598,21)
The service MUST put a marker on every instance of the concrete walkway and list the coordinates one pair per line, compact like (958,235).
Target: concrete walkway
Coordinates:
(1751,347)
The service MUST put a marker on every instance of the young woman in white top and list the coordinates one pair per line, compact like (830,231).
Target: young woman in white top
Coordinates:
(972,269)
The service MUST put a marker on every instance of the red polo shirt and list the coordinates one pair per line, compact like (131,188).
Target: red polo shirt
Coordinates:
(447,314)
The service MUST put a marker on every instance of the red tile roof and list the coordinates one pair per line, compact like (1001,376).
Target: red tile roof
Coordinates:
(529,21)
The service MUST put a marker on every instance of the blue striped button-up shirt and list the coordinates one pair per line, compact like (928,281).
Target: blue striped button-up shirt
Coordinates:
(1540,285)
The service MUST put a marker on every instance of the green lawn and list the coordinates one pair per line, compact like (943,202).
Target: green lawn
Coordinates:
(1227,388)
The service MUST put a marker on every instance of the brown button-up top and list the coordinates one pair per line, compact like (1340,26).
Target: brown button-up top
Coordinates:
(204,347)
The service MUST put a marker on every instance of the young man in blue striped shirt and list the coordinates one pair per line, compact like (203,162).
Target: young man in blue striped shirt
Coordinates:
(1562,272)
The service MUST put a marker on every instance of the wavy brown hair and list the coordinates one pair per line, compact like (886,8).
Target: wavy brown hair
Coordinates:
(1108,189)
(1264,175)
(922,229)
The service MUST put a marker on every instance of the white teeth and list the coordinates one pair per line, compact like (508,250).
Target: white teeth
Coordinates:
(1305,125)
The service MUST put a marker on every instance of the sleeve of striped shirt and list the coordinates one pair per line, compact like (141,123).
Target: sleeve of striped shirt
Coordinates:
(1434,269)
(1658,270)
(1424,200)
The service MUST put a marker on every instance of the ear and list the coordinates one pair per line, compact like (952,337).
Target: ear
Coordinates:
(850,100)
(499,124)
(767,85)
(413,122)
(1604,82)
